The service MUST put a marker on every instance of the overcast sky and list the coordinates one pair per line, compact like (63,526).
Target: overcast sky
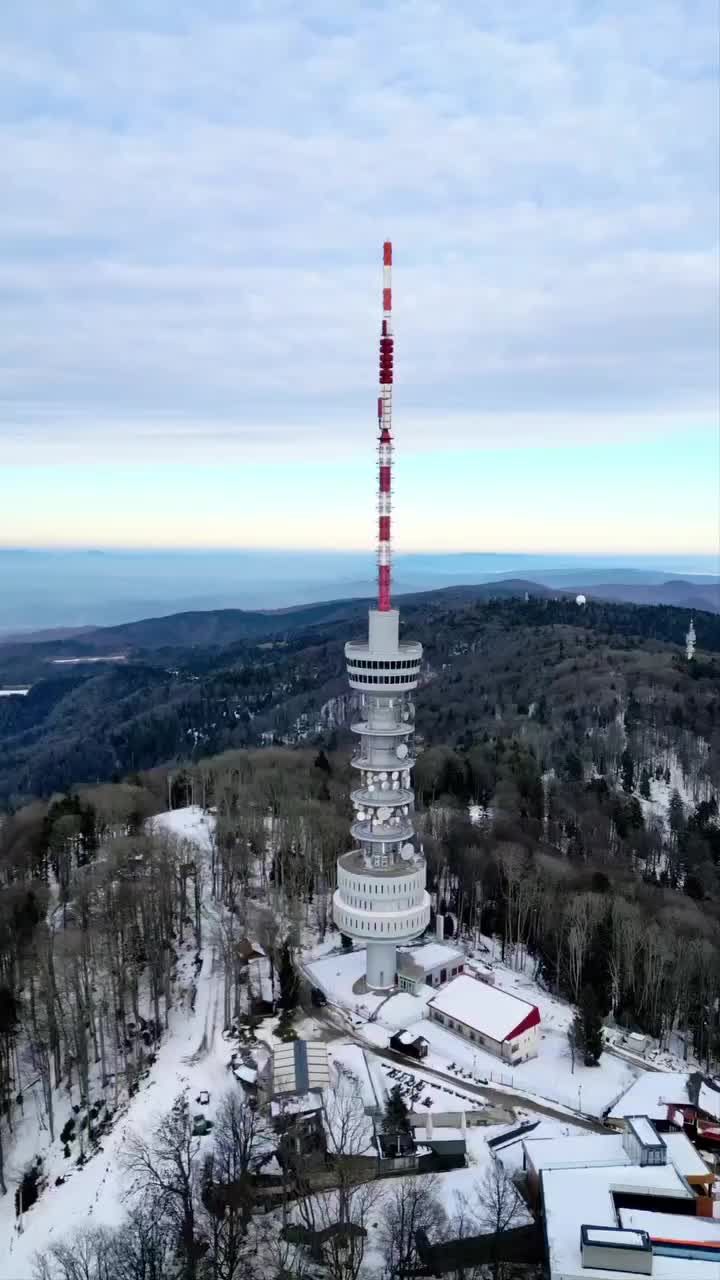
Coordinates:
(194,199)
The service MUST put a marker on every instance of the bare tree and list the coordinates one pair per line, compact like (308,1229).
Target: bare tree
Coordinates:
(85,1257)
(347,1208)
(241,1140)
(139,1250)
(412,1205)
(163,1172)
(495,1206)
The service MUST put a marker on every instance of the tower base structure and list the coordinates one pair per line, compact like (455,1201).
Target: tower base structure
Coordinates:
(381,965)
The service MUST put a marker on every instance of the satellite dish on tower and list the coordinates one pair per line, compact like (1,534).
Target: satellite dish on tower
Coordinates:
(383,814)
(401,751)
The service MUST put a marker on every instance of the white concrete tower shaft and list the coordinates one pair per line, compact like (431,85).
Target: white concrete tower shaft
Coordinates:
(381,897)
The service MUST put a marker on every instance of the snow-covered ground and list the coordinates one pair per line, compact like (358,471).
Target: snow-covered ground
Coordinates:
(549,1077)
(336,974)
(194,1056)
(658,806)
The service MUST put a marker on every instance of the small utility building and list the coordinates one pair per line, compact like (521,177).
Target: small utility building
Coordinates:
(431,965)
(493,1020)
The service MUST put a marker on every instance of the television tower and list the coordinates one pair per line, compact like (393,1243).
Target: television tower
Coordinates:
(387,352)
(381,898)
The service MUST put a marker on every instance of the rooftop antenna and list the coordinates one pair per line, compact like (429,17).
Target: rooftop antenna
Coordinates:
(385,435)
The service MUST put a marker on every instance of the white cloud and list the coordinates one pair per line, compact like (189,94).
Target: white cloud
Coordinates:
(194,204)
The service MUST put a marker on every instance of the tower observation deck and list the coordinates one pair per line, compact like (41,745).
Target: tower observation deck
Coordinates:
(381,897)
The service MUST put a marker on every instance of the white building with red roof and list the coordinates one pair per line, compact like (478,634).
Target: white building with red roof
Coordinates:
(492,1019)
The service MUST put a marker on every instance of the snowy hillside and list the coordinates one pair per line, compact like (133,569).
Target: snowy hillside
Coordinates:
(192,1057)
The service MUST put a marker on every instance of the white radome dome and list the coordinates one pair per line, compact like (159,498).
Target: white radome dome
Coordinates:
(580,600)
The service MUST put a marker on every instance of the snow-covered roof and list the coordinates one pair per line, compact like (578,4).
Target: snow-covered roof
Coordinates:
(445,1133)
(247,1074)
(709,1100)
(300,1066)
(407,1038)
(299,1105)
(681,1153)
(651,1095)
(484,1008)
(672,1226)
(573,1198)
(614,1235)
(645,1130)
(592,1150)
(432,954)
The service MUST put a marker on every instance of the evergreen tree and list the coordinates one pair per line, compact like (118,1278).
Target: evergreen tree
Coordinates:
(287,978)
(575,1037)
(397,1117)
(596,970)
(592,1034)
(573,767)
(585,1035)
(676,814)
(645,785)
(627,770)
(322,762)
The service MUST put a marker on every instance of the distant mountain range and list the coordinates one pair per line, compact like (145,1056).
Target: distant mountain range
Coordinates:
(218,627)
(113,700)
(72,590)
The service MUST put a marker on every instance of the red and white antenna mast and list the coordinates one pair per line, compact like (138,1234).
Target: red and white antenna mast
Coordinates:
(385,436)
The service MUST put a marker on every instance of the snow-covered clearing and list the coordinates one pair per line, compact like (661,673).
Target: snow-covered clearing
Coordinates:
(549,1077)
(336,975)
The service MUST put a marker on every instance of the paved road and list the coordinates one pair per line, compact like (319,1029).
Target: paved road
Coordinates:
(485,1093)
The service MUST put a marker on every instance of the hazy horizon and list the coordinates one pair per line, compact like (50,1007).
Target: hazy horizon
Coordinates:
(70,588)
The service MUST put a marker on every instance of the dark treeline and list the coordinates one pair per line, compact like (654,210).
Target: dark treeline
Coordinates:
(650,954)
(485,661)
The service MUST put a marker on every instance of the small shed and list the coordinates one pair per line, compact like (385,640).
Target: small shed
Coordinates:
(637,1043)
(616,1249)
(413,1046)
(642,1141)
